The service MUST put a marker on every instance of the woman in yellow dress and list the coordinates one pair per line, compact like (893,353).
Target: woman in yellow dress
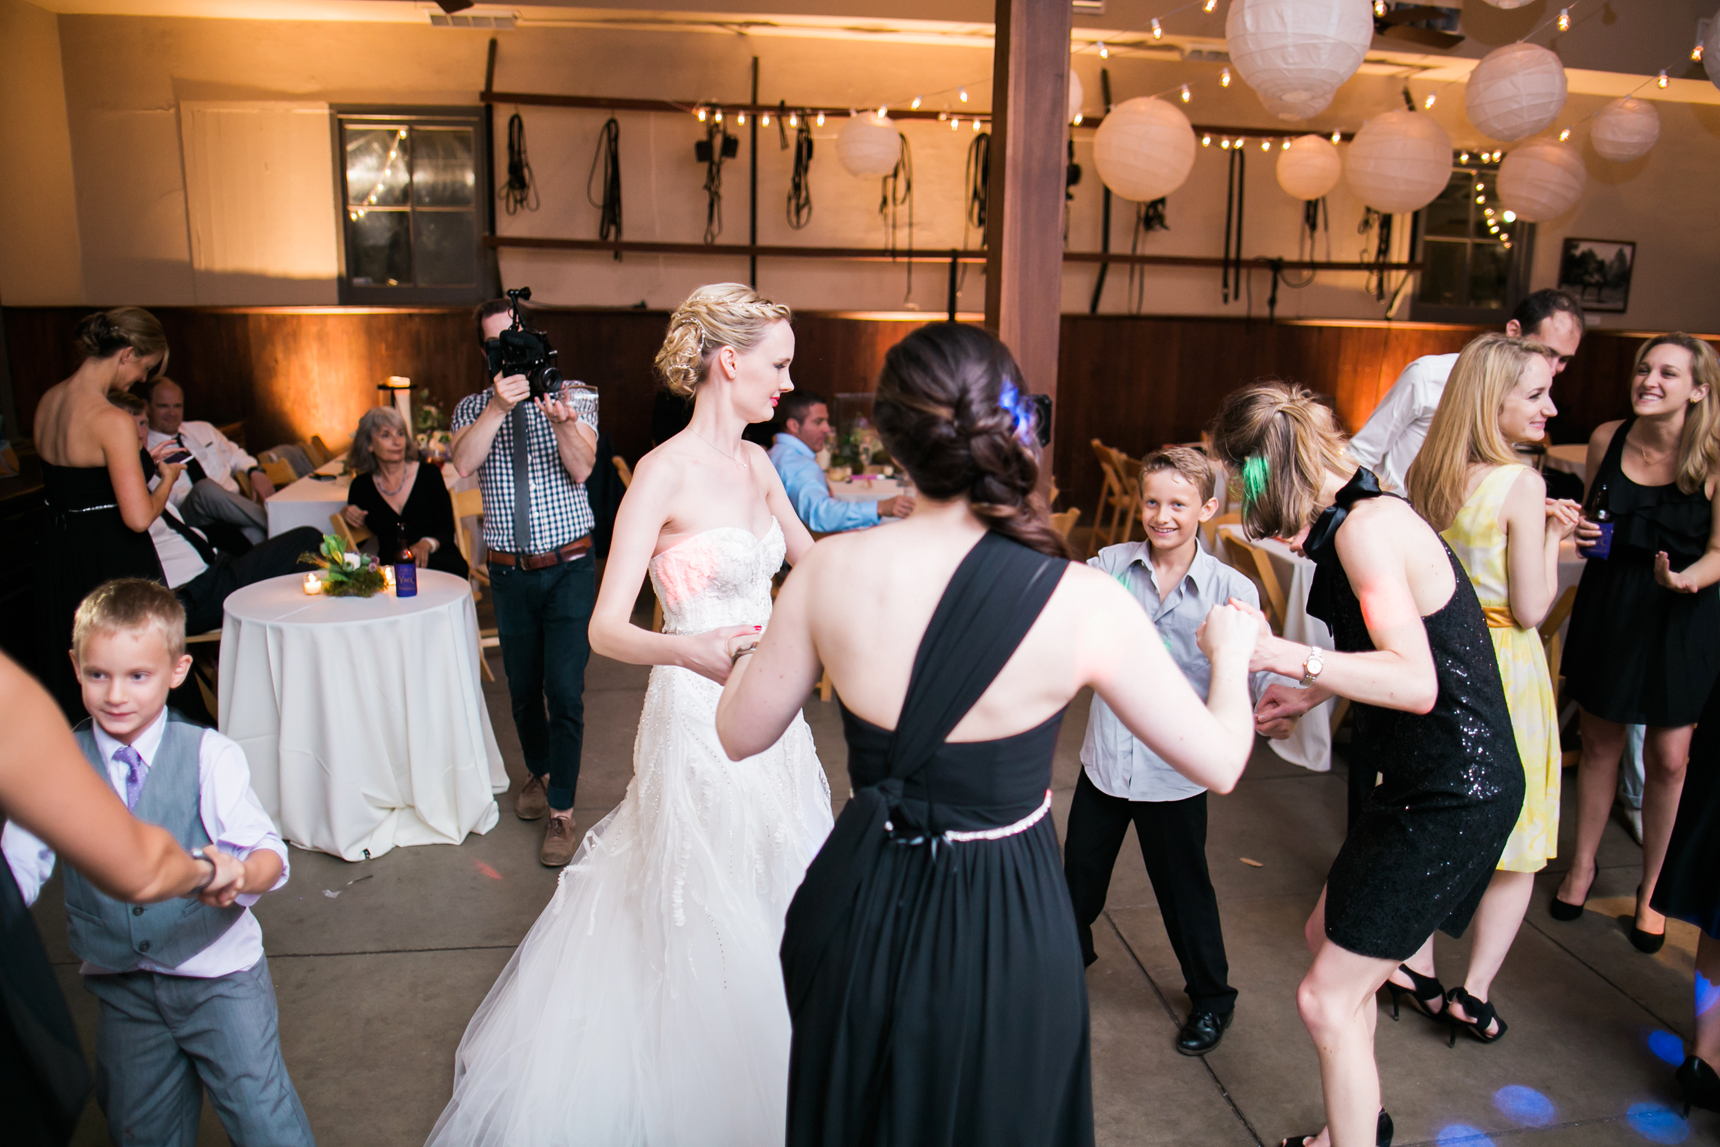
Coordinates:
(1494,513)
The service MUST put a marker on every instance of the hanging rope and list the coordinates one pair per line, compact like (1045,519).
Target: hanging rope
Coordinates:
(895,191)
(521,189)
(1382,249)
(800,182)
(1149,217)
(608,156)
(978,181)
(717,146)
(1231,273)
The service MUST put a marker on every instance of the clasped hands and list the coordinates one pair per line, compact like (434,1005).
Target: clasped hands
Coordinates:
(228,882)
(1280,705)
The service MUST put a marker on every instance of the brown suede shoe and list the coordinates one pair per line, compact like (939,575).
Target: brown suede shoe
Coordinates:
(560,842)
(533,800)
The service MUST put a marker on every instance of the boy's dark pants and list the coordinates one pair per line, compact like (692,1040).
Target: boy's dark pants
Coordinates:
(1173,844)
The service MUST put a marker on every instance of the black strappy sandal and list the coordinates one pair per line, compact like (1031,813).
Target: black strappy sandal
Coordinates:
(1426,990)
(1382,1134)
(1482,1017)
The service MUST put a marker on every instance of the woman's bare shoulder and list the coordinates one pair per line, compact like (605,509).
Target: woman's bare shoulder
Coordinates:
(1603,435)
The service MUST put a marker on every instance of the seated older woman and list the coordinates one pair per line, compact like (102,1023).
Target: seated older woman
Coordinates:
(397,497)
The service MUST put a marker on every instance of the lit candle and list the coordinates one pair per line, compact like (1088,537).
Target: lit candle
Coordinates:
(313,584)
(388,576)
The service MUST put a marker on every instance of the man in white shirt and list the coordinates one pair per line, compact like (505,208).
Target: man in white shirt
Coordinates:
(207,491)
(1398,426)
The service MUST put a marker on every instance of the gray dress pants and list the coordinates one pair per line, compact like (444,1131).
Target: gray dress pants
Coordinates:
(209,502)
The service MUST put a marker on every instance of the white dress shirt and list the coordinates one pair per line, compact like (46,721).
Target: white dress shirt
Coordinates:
(1398,426)
(180,561)
(214,451)
(231,815)
(1116,762)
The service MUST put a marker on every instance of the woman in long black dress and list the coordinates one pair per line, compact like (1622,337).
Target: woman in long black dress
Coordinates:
(397,497)
(1689,890)
(1638,652)
(99,505)
(934,978)
(1415,655)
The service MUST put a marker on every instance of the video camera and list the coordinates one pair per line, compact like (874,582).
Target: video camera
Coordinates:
(520,350)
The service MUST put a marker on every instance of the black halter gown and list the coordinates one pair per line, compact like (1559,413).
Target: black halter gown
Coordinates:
(933,973)
(1420,855)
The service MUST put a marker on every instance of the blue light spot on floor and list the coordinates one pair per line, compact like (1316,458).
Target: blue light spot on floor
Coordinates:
(1463,1135)
(1657,1124)
(1525,1105)
(1666,1047)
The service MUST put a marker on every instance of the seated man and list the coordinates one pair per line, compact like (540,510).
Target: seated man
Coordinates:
(207,493)
(199,575)
(805,427)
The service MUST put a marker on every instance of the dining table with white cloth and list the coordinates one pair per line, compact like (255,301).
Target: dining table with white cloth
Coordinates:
(319,495)
(363,718)
(1310,742)
(865,489)
(1571,458)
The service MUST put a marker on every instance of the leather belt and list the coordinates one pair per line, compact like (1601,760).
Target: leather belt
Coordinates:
(574,549)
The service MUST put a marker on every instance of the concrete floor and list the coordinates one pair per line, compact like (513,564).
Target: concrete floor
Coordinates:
(379,965)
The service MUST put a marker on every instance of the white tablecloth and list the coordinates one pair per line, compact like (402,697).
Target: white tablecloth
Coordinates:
(312,501)
(363,720)
(872,490)
(1572,458)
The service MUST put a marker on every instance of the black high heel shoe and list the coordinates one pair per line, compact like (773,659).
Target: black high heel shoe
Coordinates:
(1426,990)
(1563,911)
(1646,942)
(1700,1084)
(1382,1132)
(1482,1017)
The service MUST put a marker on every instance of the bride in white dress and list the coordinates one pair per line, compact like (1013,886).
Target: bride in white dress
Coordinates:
(646,1004)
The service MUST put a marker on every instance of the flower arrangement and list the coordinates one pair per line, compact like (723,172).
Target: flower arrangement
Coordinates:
(349,574)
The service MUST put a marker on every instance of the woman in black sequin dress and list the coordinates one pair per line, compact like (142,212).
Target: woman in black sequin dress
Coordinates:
(1415,656)
(933,972)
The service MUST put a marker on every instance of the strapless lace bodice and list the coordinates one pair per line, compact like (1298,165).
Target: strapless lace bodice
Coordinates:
(716,578)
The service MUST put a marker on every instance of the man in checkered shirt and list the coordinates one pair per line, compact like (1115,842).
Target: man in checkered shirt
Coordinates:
(537,529)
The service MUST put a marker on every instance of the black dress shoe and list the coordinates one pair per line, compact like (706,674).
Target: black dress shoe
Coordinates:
(1202,1032)
(1700,1084)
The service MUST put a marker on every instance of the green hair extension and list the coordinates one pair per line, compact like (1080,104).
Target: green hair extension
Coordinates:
(1254,472)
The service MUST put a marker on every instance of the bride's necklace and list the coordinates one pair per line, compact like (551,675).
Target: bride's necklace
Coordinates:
(727,457)
(1649,462)
(398,486)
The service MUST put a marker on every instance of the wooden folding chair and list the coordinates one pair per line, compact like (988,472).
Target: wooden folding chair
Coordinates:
(280,473)
(244,479)
(316,451)
(1209,528)
(1255,564)
(353,536)
(1554,646)
(1113,522)
(623,469)
(470,504)
(1065,521)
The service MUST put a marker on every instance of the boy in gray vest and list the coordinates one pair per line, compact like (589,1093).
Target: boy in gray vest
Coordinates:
(186,1002)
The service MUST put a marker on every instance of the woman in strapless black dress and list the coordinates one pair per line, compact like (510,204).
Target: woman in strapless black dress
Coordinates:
(98,505)
(1430,718)
(930,958)
(1641,648)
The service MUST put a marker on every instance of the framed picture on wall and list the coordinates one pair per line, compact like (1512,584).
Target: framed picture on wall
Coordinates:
(1597,272)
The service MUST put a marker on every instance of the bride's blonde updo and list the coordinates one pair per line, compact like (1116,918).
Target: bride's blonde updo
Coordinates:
(716,315)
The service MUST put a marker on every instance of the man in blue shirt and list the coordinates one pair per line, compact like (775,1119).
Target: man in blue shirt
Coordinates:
(805,428)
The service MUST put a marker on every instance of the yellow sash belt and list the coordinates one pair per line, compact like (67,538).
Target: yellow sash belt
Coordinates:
(1499,617)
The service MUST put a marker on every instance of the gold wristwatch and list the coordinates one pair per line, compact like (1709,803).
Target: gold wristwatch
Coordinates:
(1312,666)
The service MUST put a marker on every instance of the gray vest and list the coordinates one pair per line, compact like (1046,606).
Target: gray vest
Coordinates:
(116,936)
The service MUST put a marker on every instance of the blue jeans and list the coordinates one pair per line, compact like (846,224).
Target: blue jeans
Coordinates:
(542,617)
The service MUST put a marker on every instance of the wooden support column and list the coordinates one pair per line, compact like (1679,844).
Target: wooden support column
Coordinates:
(1024,212)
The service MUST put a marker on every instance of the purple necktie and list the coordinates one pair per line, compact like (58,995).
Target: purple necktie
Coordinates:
(136,770)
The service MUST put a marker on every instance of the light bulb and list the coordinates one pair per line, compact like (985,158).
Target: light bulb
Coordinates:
(915,106)
(1510,217)
(1696,53)
(976,123)
(1185,95)
(1464,158)
(1428,102)
(1337,137)
(741,118)
(1077,119)
(963,95)
(701,115)
(1104,52)
(1225,143)
(1224,78)
(1209,5)
(883,111)
(1379,7)
(765,119)
(1480,187)
(719,115)
(1564,135)
(1285,144)
(820,119)
(955,123)
(942,116)
(1481,199)
(1662,81)
(1489,213)
(1158,32)
(1206,141)
(1265,145)
(793,120)
(1564,19)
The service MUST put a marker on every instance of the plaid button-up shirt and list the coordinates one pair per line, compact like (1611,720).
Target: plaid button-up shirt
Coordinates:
(560,511)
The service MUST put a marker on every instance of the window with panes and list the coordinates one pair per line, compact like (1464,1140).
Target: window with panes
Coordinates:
(1474,252)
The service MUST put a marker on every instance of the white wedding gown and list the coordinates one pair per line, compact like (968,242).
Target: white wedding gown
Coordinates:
(646,1005)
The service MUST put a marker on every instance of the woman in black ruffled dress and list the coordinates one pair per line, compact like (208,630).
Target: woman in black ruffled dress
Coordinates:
(1414,654)
(1642,647)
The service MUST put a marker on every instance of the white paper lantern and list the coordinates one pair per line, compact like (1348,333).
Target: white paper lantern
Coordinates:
(1508,4)
(1541,180)
(1297,49)
(1711,50)
(1400,161)
(1144,149)
(1294,110)
(1309,167)
(1515,91)
(868,144)
(1625,130)
(1077,95)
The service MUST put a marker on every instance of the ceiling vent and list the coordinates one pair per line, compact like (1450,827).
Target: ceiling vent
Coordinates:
(437,19)
(1088,7)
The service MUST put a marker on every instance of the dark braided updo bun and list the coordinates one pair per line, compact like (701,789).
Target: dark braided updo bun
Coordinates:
(951,408)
